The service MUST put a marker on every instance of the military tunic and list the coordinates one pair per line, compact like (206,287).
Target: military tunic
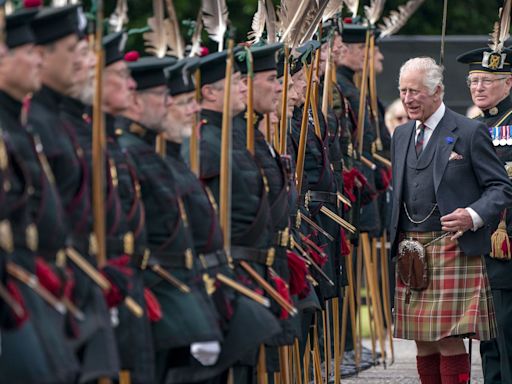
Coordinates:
(132,340)
(321,191)
(245,323)
(187,317)
(369,216)
(497,354)
(35,202)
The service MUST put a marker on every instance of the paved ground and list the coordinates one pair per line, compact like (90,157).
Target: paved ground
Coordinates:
(404,368)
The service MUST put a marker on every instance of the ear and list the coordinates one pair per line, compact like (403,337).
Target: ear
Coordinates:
(208,93)
(508,81)
(437,92)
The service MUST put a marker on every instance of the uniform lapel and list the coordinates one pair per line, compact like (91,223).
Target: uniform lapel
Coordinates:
(445,144)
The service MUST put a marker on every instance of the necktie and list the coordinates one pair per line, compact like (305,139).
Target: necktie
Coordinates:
(420,139)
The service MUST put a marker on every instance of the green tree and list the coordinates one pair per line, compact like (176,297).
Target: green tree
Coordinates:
(465,17)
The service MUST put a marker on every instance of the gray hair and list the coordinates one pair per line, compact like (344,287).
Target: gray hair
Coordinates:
(432,73)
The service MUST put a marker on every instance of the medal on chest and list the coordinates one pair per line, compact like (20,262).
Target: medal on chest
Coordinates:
(501,135)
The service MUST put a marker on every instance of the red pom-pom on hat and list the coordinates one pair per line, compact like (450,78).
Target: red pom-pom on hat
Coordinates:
(131,56)
(32,3)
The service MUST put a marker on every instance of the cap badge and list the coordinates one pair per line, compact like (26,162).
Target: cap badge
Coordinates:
(493,60)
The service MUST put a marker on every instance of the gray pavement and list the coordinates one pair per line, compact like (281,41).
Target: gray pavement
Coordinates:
(404,368)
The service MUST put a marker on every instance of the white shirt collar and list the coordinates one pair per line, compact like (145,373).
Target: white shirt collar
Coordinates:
(434,119)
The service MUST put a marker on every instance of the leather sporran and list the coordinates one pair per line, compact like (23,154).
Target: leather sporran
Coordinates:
(412,265)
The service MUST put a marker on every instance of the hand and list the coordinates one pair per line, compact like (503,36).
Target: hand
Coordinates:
(207,353)
(457,222)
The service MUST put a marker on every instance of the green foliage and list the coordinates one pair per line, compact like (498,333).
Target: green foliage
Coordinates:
(465,17)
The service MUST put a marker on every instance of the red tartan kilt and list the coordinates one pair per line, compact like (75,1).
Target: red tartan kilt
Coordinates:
(457,301)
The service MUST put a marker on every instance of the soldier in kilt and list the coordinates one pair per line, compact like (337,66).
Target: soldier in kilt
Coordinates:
(490,90)
(433,156)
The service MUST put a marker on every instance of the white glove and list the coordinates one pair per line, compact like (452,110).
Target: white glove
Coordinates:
(207,353)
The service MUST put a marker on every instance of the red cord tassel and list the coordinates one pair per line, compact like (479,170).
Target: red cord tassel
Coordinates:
(47,278)
(298,271)
(153,307)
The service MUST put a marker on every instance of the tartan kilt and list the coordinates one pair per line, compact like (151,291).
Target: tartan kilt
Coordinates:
(457,301)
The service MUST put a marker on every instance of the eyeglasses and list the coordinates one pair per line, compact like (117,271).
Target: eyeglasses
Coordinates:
(486,82)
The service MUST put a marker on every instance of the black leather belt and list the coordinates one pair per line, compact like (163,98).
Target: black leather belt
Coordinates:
(121,244)
(170,259)
(323,197)
(260,256)
(85,243)
(213,259)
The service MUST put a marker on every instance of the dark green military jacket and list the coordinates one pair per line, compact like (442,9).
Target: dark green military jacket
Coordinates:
(35,201)
(250,210)
(277,180)
(133,340)
(70,171)
(499,123)
(321,191)
(369,220)
(187,317)
(245,323)
(65,158)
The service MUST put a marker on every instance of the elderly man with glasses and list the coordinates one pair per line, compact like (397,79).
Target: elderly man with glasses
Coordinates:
(490,81)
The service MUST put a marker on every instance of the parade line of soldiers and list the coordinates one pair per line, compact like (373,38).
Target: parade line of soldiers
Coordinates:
(192,218)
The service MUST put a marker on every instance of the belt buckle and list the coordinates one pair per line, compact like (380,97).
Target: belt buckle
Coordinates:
(189,258)
(284,237)
(271,254)
(203,261)
(128,243)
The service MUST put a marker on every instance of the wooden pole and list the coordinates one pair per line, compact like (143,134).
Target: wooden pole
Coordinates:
(372,285)
(362,95)
(351,299)
(327,352)
(98,145)
(225,161)
(261,370)
(374,104)
(336,337)
(196,134)
(284,364)
(284,103)
(304,130)
(250,102)
(359,278)
(327,91)
(297,359)
(386,293)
